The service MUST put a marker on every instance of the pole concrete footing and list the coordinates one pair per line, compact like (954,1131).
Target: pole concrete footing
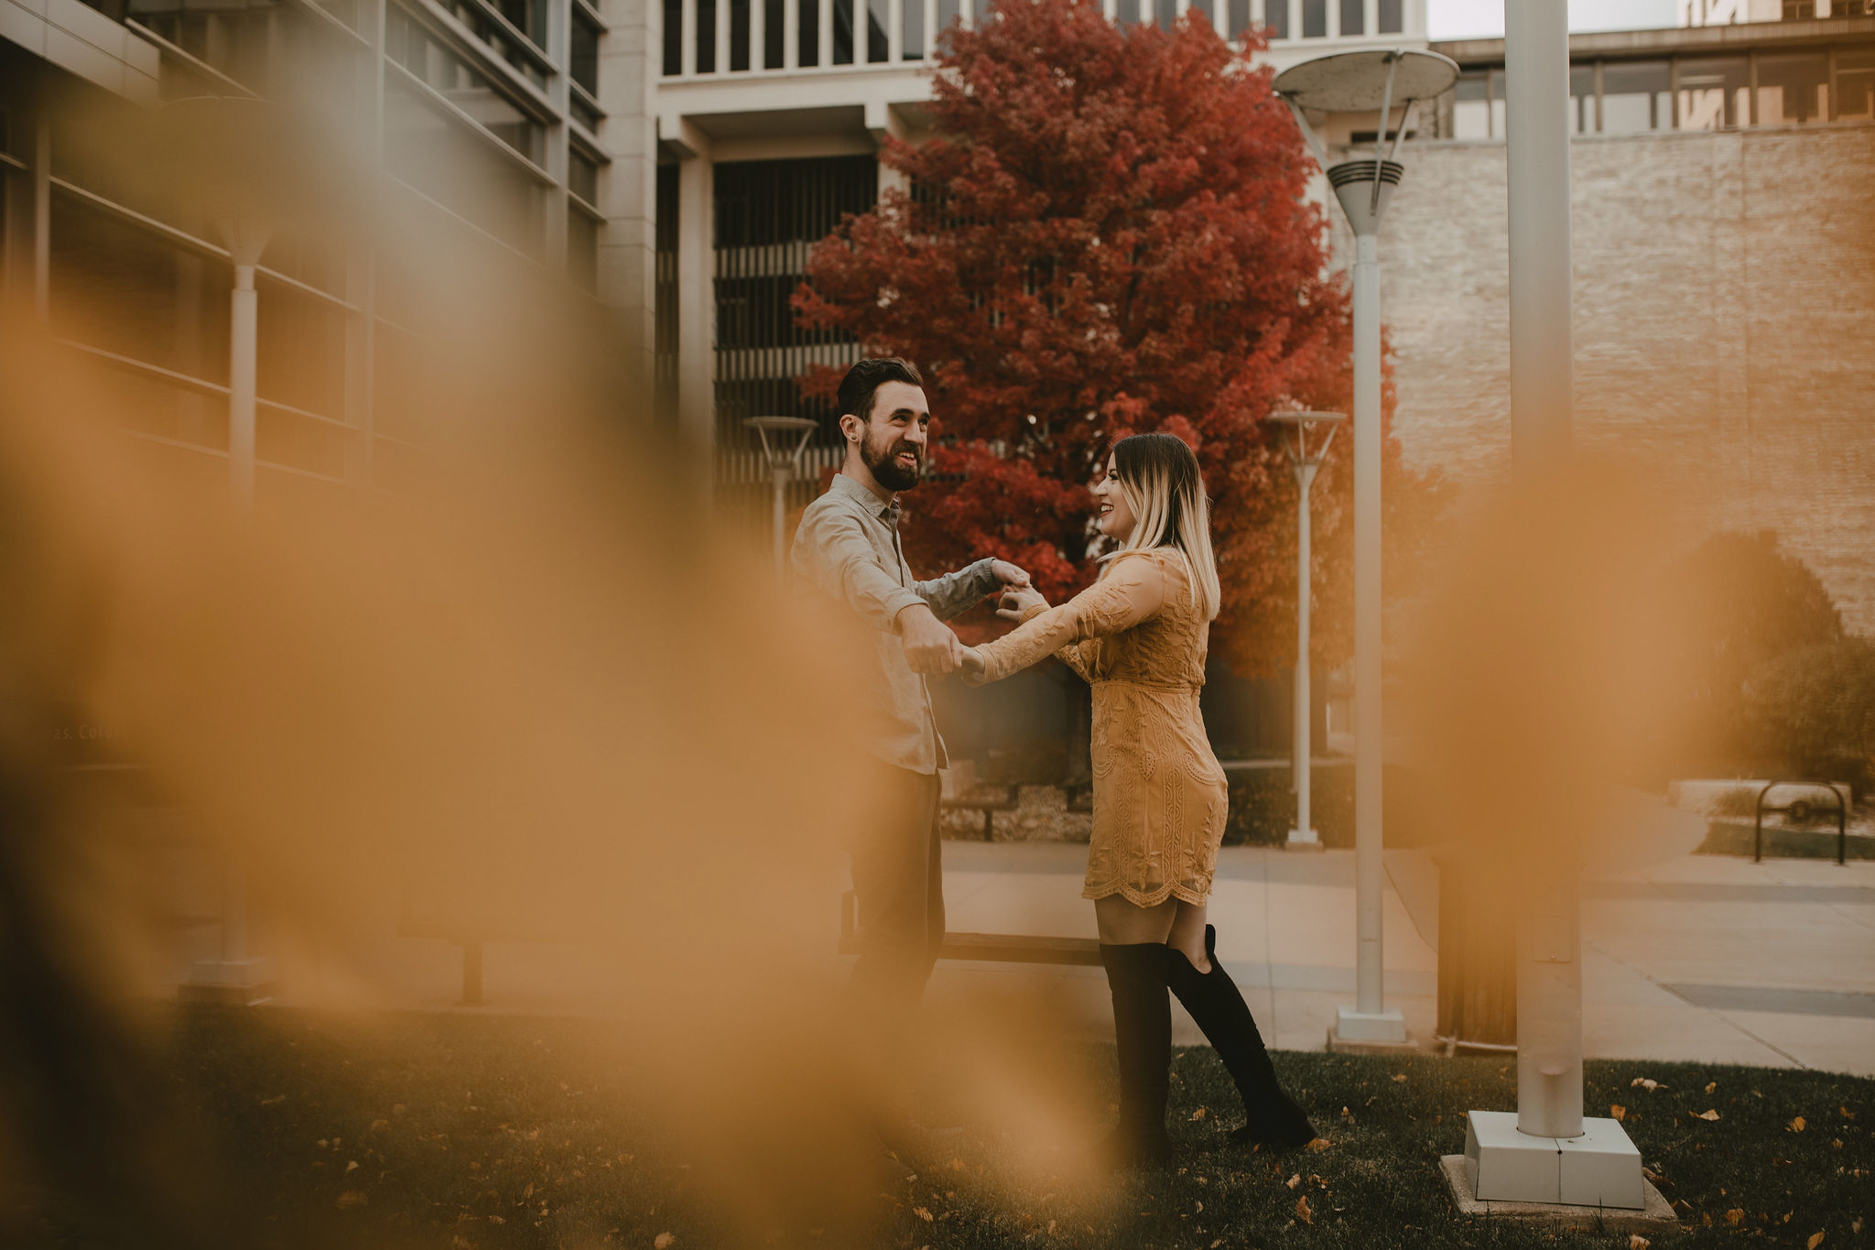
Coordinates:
(1654,1219)
(1370,1033)
(228,982)
(1300,841)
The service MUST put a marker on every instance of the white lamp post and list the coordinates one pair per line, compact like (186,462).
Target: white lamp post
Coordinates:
(1317,428)
(783,463)
(1548,1152)
(1366,82)
(233,153)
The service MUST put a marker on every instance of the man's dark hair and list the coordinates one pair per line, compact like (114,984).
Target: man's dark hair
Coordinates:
(864,379)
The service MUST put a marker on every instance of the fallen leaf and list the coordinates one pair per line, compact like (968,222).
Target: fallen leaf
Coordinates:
(353,1165)
(957,1165)
(496,1219)
(1707,1115)
(1318,1145)
(352,1198)
(1635,1240)
(1295,1180)
(1796,1125)
(1711,1085)
(1736,1215)
(1200,1208)
(1302,1210)
(1199,1113)
(1816,1239)
(662,1240)
(1400,1077)
(277,1099)
(1615,1110)
(378,1126)
(1646,1083)
(920,1212)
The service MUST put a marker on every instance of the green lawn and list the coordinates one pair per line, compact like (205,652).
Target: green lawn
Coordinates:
(496,1131)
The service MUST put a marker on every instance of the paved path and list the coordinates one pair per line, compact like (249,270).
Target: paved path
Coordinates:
(1697,957)
(1707,958)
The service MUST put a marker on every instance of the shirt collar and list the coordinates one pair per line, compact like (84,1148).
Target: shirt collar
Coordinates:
(851,489)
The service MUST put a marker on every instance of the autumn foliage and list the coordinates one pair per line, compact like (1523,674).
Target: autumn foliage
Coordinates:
(1108,234)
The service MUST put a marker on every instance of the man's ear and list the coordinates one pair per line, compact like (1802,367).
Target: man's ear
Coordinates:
(852,427)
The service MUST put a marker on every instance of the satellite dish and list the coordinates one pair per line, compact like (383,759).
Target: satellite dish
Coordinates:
(1359,82)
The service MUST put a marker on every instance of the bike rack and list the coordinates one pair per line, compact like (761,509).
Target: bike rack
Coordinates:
(1800,811)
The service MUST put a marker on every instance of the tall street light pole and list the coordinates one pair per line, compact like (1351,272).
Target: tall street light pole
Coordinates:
(1317,428)
(1548,1152)
(1363,82)
(784,463)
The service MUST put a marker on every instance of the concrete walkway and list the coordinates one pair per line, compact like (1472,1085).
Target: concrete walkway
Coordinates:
(1698,957)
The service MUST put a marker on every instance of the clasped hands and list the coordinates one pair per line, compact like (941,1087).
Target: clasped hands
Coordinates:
(932,647)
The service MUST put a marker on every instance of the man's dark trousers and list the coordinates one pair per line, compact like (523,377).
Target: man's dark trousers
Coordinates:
(898,887)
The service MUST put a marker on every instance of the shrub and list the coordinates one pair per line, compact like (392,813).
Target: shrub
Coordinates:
(1745,605)
(1814,708)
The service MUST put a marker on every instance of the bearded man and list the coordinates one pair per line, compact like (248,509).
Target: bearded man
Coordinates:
(847,549)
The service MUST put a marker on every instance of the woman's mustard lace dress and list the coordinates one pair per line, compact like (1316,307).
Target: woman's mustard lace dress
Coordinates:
(1139,639)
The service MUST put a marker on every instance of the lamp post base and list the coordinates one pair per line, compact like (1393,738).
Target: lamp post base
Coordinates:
(1300,840)
(1599,1170)
(1656,1218)
(229,982)
(1370,1033)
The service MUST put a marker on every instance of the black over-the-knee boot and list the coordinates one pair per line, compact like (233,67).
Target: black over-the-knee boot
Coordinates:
(1270,1115)
(1142,1026)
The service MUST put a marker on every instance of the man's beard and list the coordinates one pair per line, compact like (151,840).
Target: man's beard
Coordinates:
(885,468)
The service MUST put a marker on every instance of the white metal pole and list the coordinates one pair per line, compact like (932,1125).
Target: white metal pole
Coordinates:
(780,475)
(243,348)
(1549,966)
(1304,832)
(1368,986)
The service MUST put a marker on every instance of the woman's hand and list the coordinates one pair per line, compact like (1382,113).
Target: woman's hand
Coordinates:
(1016,600)
(973,666)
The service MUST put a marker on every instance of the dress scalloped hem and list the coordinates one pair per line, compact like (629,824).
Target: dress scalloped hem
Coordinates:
(1138,898)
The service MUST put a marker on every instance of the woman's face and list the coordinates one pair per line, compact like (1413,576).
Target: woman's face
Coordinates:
(1115,518)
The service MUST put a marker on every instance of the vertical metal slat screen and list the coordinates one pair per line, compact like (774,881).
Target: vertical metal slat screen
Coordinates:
(769,215)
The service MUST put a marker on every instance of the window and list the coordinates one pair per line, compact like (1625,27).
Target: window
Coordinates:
(1471,105)
(1353,16)
(738,34)
(1392,17)
(913,34)
(582,176)
(582,250)
(1165,13)
(527,16)
(948,11)
(1855,85)
(447,160)
(706,36)
(1239,18)
(775,34)
(439,67)
(842,32)
(1314,19)
(877,47)
(1499,105)
(807,35)
(1582,99)
(673,36)
(583,61)
(1715,93)
(1793,90)
(1126,12)
(1635,97)
(1276,17)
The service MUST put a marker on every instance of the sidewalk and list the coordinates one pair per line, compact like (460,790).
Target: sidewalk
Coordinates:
(1699,958)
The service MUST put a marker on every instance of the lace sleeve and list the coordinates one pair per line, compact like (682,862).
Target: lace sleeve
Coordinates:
(1131,591)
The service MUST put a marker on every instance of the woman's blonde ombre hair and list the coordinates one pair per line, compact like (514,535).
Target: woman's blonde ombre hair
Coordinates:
(1159,475)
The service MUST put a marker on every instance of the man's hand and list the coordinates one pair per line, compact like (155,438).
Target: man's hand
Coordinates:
(930,646)
(1017,600)
(1008,574)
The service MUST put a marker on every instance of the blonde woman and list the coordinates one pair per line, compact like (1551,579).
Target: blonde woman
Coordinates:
(1139,636)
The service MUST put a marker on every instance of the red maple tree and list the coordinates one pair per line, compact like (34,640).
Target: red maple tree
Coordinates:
(1108,235)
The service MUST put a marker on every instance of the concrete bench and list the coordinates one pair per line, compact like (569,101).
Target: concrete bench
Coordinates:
(1010,948)
(988,806)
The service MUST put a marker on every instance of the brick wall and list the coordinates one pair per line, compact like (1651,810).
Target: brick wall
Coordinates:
(1724,327)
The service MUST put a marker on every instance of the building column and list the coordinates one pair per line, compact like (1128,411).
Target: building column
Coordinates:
(883,120)
(630,60)
(696,288)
